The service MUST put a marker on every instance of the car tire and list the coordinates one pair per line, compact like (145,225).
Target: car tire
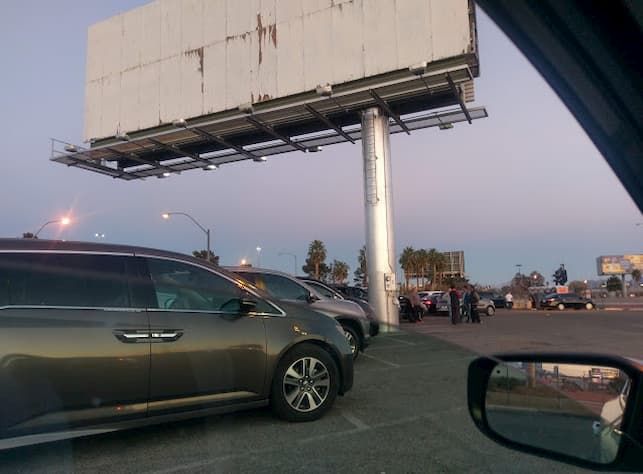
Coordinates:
(560,306)
(589,306)
(490,311)
(305,384)
(353,339)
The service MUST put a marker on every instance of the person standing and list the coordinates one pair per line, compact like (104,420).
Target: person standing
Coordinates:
(475,299)
(466,304)
(416,311)
(454,305)
(510,300)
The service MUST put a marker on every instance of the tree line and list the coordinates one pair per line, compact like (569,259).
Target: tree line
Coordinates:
(335,272)
(423,265)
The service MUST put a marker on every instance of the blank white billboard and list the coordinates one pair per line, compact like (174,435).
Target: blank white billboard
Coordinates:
(181,59)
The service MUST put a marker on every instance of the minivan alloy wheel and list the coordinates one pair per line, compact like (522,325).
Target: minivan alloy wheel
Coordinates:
(306,384)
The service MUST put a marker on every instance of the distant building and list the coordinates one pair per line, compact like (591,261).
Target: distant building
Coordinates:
(455,264)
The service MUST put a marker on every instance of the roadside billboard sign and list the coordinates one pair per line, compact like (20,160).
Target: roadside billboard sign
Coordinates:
(619,264)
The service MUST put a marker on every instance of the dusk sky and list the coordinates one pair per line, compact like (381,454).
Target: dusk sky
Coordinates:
(524,186)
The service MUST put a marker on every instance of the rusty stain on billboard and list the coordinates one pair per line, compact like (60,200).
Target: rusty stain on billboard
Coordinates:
(145,68)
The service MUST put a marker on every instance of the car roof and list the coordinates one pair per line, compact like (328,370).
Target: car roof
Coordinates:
(44,245)
(80,246)
(267,271)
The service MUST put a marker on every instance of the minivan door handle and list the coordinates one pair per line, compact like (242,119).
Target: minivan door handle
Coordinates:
(165,335)
(132,336)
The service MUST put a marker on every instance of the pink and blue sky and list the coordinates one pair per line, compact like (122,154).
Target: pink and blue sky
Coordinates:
(523,186)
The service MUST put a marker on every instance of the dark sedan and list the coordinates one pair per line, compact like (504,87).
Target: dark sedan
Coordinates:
(562,301)
(499,301)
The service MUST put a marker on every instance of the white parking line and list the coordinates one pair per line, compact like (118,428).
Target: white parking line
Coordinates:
(420,364)
(356,422)
(190,467)
(402,342)
(382,361)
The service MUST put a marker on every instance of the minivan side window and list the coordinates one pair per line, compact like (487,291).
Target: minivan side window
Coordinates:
(182,286)
(51,279)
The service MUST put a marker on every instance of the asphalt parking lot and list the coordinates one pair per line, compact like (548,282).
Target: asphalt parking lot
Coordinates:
(406,412)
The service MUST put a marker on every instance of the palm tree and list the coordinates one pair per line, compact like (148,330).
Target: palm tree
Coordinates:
(440,265)
(361,272)
(423,264)
(432,260)
(339,271)
(406,262)
(316,256)
(416,262)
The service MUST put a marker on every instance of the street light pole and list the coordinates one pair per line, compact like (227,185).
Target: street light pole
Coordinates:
(294,257)
(166,215)
(63,221)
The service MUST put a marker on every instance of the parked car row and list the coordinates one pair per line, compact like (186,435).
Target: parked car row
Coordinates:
(99,337)
(357,326)
(435,302)
(330,292)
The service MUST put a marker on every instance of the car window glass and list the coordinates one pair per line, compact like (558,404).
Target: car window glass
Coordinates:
(45,279)
(278,286)
(321,289)
(186,287)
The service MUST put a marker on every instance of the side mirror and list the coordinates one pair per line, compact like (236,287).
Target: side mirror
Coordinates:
(247,305)
(311,298)
(585,410)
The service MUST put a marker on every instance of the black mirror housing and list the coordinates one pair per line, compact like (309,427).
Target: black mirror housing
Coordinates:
(550,409)
(246,305)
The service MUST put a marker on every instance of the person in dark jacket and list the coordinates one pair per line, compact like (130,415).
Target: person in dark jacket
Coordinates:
(466,304)
(475,299)
(455,305)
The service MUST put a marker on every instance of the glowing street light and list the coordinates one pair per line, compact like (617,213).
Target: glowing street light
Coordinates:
(62,221)
(166,216)
(259,257)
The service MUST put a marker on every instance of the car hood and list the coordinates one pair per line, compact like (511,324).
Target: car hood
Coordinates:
(338,307)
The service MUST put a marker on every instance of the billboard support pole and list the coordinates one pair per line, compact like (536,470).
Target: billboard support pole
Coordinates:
(378,203)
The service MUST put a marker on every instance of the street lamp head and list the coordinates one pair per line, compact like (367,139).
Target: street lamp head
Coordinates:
(258,249)
(165,215)
(243,261)
(65,220)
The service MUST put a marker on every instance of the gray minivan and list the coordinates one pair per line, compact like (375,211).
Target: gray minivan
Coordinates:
(96,337)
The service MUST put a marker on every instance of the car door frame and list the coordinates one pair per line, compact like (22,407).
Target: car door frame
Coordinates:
(207,400)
